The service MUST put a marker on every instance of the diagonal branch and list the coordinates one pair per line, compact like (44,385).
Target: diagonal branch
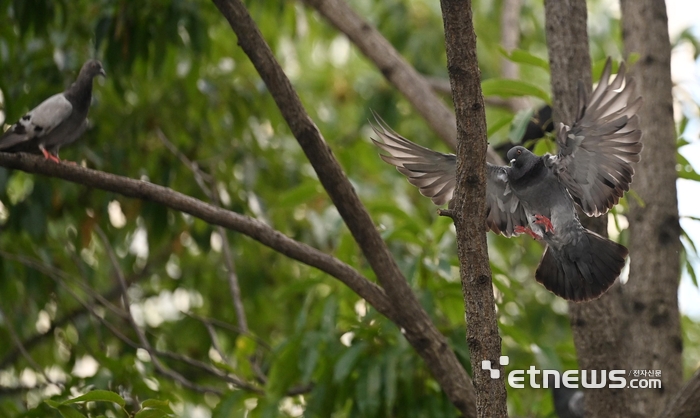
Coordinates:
(210,191)
(253,228)
(687,403)
(145,344)
(415,87)
(58,276)
(18,342)
(419,329)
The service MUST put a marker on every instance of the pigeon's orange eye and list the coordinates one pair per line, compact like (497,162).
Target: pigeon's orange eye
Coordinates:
(519,152)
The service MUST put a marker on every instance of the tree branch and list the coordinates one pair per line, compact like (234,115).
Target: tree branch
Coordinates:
(417,90)
(18,342)
(469,212)
(109,295)
(211,192)
(687,403)
(208,213)
(419,329)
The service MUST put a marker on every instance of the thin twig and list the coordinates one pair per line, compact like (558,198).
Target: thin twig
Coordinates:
(414,87)
(18,343)
(58,275)
(62,278)
(232,328)
(211,192)
(146,345)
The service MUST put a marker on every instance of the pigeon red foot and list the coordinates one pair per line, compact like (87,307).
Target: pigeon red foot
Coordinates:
(525,230)
(49,156)
(543,220)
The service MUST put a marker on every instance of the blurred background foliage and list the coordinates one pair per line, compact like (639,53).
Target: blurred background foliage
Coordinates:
(174,67)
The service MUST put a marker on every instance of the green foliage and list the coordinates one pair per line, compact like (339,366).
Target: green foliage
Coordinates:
(313,347)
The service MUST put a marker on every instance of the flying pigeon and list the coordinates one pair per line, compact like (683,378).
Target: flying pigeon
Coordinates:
(58,120)
(536,194)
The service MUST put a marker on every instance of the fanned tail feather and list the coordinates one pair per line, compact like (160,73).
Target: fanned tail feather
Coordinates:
(582,271)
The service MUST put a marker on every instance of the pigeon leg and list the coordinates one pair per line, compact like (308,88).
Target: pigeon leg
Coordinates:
(48,155)
(525,230)
(543,220)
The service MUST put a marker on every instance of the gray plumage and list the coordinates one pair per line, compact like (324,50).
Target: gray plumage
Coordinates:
(58,120)
(536,194)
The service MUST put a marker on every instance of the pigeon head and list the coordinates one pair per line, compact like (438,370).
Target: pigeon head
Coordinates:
(91,69)
(520,157)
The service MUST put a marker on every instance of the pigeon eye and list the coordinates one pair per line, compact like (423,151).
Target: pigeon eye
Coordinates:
(519,152)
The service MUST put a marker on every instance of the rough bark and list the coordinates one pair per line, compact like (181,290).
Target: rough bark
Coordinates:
(595,324)
(469,211)
(420,332)
(415,87)
(687,403)
(653,334)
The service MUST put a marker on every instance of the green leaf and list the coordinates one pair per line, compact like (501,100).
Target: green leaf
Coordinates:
(685,169)
(519,125)
(505,87)
(369,390)
(500,123)
(345,364)
(231,406)
(97,396)
(390,380)
(691,272)
(157,404)
(151,413)
(521,56)
(285,369)
(637,198)
(64,410)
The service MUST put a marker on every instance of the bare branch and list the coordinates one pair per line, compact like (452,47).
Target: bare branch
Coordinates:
(208,213)
(687,403)
(145,344)
(419,329)
(22,349)
(210,190)
(232,328)
(400,73)
(469,212)
(58,275)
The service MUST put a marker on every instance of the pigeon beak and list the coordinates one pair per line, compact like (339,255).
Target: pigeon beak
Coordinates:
(512,161)
(102,72)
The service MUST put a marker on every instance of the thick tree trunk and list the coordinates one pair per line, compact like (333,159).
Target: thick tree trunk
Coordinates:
(653,335)
(594,324)
(469,211)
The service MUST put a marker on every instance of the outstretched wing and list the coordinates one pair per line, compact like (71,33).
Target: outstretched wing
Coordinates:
(596,154)
(434,174)
(38,122)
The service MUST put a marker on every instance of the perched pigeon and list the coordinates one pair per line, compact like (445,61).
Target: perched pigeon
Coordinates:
(536,195)
(57,121)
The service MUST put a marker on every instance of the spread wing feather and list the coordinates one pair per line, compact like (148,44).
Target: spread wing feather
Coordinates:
(596,154)
(434,174)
